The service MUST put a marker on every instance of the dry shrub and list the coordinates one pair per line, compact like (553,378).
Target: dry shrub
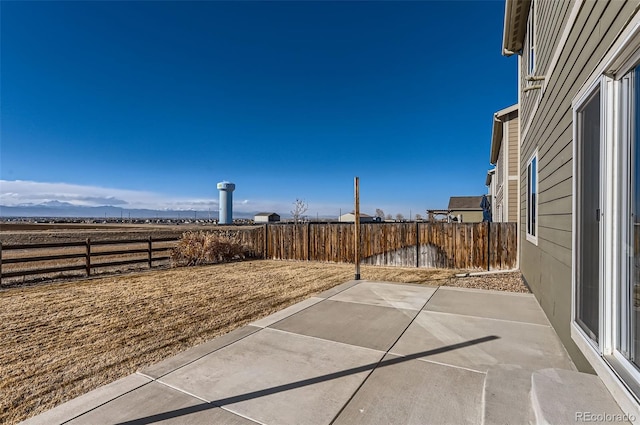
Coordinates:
(197,248)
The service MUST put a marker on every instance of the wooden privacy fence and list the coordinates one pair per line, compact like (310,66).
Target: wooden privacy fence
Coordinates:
(488,246)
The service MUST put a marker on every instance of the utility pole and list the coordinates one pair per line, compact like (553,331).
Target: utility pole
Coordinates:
(357,229)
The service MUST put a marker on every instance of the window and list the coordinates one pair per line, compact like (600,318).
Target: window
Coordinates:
(532,198)
(531,40)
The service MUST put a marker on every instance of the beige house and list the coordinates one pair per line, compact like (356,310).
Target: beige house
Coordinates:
(351,218)
(490,182)
(505,155)
(578,97)
(266,217)
(466,209)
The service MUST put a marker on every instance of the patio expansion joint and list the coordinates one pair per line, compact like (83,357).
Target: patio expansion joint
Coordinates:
(183,391)
(187,393)
(106,402)
(487,318)
(328,340)
(242,416)
(198,358)
(375,305)
(293,314)
(381,359)
(468,369)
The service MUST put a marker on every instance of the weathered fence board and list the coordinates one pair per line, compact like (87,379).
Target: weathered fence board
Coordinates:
(443,245)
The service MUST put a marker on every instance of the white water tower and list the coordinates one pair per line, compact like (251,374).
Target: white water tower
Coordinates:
(226,202)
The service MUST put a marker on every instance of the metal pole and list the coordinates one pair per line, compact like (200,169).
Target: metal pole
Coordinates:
(357,229)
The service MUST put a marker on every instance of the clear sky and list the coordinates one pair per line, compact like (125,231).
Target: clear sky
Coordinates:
(150,104)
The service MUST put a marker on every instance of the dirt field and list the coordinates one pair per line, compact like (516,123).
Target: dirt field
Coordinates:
(62,340)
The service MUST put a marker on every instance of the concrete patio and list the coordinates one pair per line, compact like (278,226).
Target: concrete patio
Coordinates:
(363,353)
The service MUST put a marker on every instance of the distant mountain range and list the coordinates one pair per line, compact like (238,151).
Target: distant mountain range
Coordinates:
(65,209)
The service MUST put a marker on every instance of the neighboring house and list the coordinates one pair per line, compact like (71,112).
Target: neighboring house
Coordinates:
(579,106)
(490,182)
(505,156)
(266,217)
(351,218)
(466,208)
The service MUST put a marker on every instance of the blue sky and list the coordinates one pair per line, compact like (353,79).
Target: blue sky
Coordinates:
(150,104)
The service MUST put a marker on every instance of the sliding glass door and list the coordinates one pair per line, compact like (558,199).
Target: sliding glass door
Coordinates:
(589,217)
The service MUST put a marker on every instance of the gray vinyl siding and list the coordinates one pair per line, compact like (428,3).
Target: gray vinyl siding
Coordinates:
(547,266)
(552,17)
(513,145)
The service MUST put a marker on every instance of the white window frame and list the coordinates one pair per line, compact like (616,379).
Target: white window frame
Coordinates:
(533,237)
(578,103)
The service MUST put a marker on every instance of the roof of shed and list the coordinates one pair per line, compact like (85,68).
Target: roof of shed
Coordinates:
(465,203)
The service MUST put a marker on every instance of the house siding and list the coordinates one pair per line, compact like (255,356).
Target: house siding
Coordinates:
(468,216)
(513,144)
(552,17)
(514,158)
(513,201)
(547,266)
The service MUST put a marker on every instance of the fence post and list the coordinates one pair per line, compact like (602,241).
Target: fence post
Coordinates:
(88,257)
(308,241)
(488,245)
(0,263)
(150,252)
(265,248)
(417,244)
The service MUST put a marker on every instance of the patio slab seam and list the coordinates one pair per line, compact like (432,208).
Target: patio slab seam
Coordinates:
(327,340)
(255,421)
(310,301)
(488,318)
(344,406)
(102,404)
(468,369)
(346,286)
(141,373)
(159,381)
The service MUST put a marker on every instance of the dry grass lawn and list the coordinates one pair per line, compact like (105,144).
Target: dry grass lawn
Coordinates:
(62,340)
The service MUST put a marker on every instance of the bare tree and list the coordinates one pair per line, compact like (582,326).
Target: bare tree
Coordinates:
(299,208)
(388,217)
(418,217)
(379,213)
(399,217)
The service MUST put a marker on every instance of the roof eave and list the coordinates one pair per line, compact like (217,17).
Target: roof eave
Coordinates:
(516,13)
(496,140)
(490,174)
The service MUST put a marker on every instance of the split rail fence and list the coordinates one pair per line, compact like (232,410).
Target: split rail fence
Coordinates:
(487,246)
